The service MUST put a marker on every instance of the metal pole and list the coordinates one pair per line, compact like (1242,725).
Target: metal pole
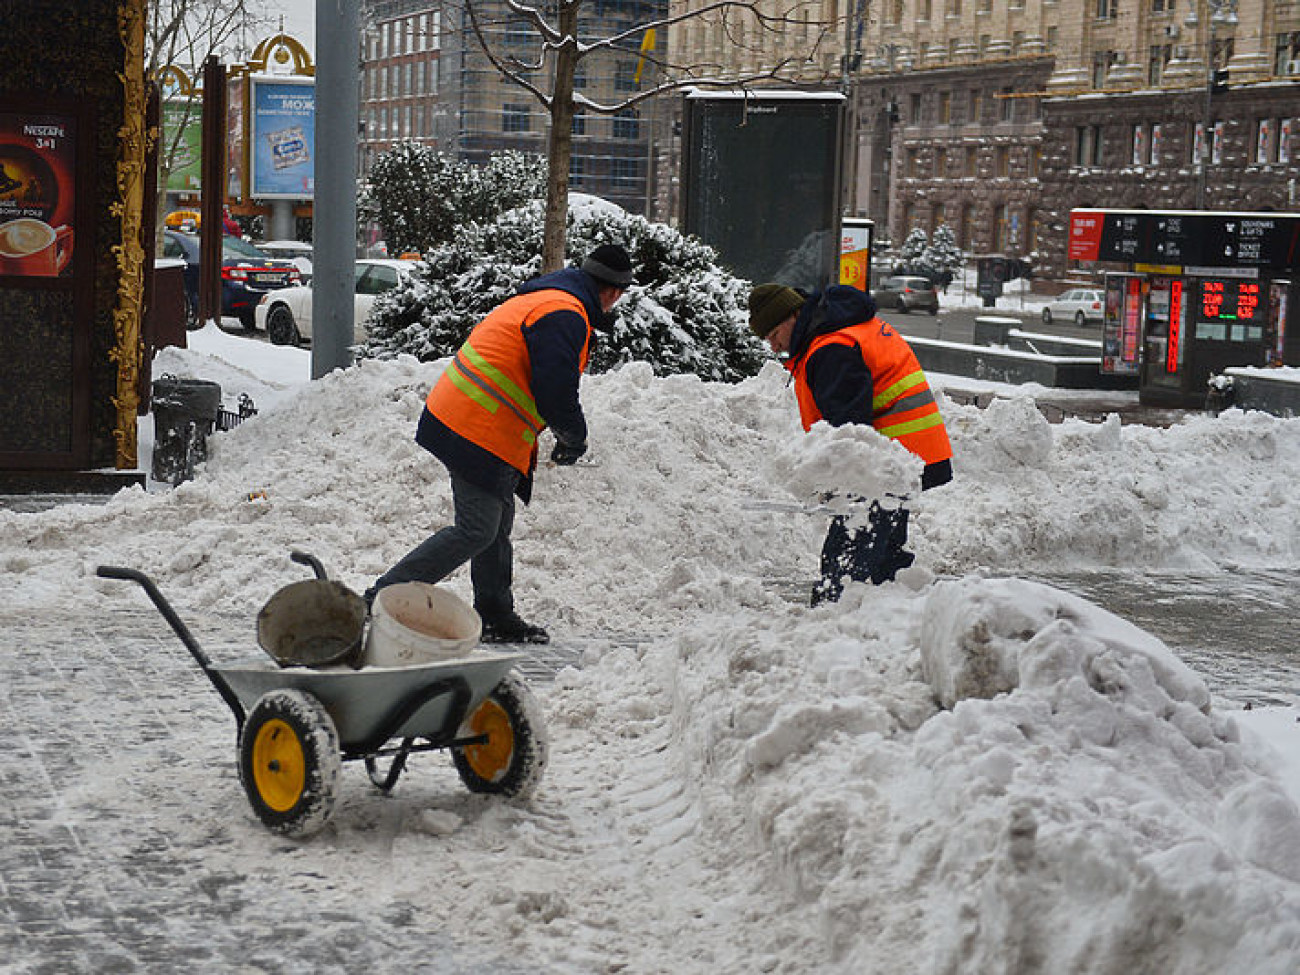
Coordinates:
(214,190)
(334,247)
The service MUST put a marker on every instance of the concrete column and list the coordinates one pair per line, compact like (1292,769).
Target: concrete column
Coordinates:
(281,224)
(334,252)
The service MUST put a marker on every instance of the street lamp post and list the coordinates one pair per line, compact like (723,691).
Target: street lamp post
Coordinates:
(1222,13)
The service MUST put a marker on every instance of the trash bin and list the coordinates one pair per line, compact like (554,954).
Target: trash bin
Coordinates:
(184,415)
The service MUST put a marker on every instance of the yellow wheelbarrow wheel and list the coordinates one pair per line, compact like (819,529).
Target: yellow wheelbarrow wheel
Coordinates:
(511,758)
(289,761)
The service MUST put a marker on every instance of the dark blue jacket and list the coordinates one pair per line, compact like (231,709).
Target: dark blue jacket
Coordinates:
(555,342)
(837,374)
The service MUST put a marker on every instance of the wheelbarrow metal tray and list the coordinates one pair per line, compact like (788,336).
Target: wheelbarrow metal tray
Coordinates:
(362,703)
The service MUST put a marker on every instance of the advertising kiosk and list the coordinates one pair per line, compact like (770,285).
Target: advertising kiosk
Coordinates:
(1192,293)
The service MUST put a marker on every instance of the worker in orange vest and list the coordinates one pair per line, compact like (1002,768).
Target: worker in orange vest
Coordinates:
(516,375)
(851,367)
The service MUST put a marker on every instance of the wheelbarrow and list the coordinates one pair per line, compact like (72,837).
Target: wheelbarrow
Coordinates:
(296,725)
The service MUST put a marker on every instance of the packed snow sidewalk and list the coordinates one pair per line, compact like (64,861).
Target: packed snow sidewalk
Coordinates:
(964,772)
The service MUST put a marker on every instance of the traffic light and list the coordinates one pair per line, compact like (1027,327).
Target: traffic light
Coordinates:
(1219,79)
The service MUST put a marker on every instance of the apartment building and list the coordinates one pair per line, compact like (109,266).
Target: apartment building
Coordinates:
(425,77)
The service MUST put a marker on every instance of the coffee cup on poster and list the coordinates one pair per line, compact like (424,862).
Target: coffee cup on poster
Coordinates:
(32,248)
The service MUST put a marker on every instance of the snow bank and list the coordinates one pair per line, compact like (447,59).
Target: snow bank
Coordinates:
(958,774)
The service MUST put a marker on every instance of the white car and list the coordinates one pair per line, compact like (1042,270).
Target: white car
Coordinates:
(287,318)
(1080,304)
(291,250)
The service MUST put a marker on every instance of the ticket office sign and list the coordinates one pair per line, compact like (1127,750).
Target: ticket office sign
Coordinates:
(283,138)
(1217,240)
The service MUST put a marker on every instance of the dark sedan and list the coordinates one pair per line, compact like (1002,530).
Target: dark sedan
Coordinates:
(246,274)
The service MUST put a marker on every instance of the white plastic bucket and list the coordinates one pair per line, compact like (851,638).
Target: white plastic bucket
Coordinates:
(415,623)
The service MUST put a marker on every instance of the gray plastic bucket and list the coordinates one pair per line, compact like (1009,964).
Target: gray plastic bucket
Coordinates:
(313,623)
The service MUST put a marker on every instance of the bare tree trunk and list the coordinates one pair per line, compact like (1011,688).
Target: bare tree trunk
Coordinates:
(560,144)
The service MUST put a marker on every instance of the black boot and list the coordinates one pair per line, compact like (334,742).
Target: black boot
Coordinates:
(511,628)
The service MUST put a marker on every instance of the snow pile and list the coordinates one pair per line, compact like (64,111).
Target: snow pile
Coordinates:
(1084,811)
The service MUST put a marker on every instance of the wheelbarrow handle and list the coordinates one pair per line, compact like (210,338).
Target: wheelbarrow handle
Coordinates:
(303,558)
(181,630)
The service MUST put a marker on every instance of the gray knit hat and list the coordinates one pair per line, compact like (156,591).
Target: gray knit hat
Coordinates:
(610,265)
(770,305)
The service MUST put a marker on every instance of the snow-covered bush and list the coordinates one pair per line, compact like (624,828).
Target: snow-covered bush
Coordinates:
(684,314)
(419,196)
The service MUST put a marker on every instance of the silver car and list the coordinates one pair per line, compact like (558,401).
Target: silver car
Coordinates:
(1080,304)
(908,293)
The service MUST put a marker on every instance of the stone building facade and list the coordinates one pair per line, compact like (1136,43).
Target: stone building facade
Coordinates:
(996,117)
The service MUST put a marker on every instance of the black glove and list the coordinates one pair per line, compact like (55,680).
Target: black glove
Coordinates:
(565,454)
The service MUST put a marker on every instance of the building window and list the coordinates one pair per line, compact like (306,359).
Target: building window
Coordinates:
(1101,62)
(984,7)
(1002,162)
(1284,140)
(953,7)
(910,166)
(940,163)
(1286,54)
(914,108)
(625,76)
(627,125)
(973,106)
(970,167)
(945,107)
(1264,141)
(1157,57)
(577,170)
(1000,240)
(1139,154)
(1087,145)
(579,123)
(626,172)
(1106,9)
(923,10)
(514,118)
(1008,107)
(1035,160)
(1157,137)
(1053,37)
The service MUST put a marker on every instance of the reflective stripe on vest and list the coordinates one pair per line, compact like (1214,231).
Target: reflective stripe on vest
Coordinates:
(903,407)
(485,393)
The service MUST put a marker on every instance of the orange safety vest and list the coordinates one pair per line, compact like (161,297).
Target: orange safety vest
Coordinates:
(902,406)
(485,394)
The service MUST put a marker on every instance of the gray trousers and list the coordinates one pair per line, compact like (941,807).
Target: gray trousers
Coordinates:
(480,535)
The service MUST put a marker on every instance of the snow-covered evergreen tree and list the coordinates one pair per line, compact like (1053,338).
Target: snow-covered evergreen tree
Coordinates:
(684,314)
(943,255)
(419,196)
(913,246)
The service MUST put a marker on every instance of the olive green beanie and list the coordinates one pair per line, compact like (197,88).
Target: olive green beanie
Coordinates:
(770,305)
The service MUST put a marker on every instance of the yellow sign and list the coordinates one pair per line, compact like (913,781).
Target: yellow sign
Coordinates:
(1158,268)
(853,269)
